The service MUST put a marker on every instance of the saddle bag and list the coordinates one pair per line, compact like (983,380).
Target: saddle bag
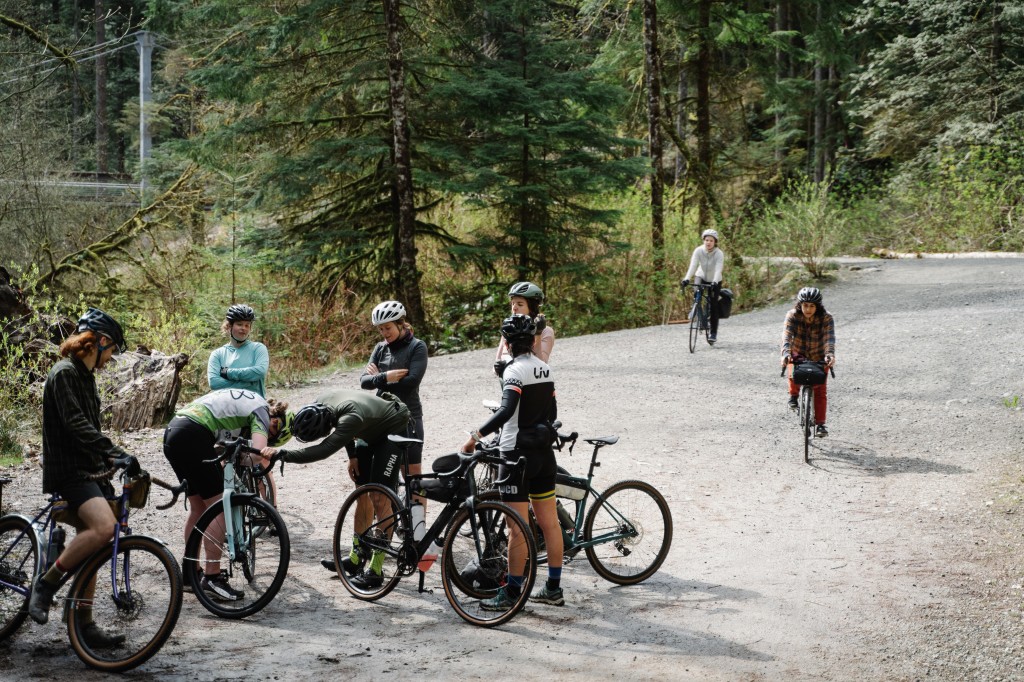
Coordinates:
(808,374)
(725,297)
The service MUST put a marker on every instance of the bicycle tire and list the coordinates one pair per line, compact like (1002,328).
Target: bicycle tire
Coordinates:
(694,326)
(637,509)
(706,300)
(806,419)
(378,536)
(486,547)
(261,558)
(20,562)
(145,611)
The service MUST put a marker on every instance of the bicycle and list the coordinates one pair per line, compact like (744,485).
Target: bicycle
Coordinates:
(245,531)
(700,314)
(626,534)
(144,589)
(805,401)
(474,537)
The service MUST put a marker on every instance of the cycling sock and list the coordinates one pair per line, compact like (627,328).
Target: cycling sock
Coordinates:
(353,555)
(55,574)
(377,562)
(515,585)
(554,577)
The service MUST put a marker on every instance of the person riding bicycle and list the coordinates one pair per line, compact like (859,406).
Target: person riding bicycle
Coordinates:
(74,448)
(189,441)
(528,408)
(809,334)
(242,362)
(397,365)
(706,265)
(360,423)
(525,299)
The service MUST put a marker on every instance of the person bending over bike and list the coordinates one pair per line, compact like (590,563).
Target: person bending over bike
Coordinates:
(397,365)
(527,410)
(809,334)
(360,423)
(189,441)
(240,363)
(74,448)
(706,265)
(524,299)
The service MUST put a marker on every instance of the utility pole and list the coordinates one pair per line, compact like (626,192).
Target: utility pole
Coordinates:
(144,43)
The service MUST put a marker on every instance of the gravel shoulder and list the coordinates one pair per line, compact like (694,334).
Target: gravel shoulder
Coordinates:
(896,554)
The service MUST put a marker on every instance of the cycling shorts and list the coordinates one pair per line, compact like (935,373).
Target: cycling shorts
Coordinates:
(186,445)
(414,451)
(378,462)
(77,494)
(537,480)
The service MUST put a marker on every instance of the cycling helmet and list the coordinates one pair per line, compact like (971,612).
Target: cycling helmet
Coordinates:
(809,295)
(519,329)
(709,233)
(284,434)
(313,422)
(388,311)
(98,321)
(526,290)
(240,313)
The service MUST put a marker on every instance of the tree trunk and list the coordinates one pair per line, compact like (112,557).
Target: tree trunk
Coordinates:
(652,70)
(76,90)
(140,389)
(523,265)
(102,136)
(820,105)
(781,71)
(682,93)
(408,274)
(704,112)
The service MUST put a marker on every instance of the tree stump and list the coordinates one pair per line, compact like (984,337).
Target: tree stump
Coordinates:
(140,389)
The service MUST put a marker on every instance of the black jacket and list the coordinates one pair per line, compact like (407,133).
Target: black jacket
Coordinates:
(409,353)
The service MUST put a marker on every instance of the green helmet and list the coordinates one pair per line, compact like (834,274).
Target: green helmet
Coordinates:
(285,433)
(527,290)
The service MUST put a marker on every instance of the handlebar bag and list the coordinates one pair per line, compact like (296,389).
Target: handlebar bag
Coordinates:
(808,374)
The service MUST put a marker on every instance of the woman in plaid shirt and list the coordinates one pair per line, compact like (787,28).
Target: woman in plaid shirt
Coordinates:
(809,334)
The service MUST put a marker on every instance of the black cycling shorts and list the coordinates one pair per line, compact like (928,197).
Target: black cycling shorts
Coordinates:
(538,477)
(77,494)
(186,445)
(378,462)
(414,451)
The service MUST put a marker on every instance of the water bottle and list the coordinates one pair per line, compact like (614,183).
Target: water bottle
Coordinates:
(419,524)
(429,557)
(565,519)
(56,546)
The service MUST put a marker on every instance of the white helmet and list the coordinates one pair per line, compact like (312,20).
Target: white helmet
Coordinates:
(710,233)
(388,311)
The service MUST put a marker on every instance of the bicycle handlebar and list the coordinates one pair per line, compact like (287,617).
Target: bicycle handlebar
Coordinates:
(175,490)
(831,370)
(227,448)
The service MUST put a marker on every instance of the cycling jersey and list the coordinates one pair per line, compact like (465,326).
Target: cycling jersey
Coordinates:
(229,413)
(246,367)
(407,352)
(527,402)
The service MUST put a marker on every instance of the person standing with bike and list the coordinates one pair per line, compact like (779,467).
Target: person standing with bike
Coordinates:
(809,335)
(242,362)
(706,265)
(189,441)
(346,417)
(397,365)
(74,448)
(525,299)
(527,411)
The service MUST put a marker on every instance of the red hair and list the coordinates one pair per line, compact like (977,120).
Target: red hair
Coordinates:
(80,344)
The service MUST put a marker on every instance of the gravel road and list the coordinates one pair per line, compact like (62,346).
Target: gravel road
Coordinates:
(895,554)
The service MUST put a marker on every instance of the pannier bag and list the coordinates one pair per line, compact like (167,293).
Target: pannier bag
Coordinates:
(725,297)
(808,374)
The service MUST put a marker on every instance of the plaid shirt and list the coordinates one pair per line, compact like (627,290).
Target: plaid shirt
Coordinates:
(72,443)
(812,339)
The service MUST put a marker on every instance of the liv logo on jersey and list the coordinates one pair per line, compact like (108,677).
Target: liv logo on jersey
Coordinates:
(539,373)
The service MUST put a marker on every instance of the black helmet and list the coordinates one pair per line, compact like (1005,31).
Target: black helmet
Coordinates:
(809,295)
(519,329)
(313,422)
(527,290)
(240,313)
(98,321)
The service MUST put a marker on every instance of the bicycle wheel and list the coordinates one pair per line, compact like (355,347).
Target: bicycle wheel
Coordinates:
(706,301)
(19,563)
(258,570)
(249,482)
(142,606)
(694,326)
(807,419)
(366,527)
(475,563)
(632,522)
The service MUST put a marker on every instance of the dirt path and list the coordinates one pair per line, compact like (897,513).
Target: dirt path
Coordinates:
(895,555)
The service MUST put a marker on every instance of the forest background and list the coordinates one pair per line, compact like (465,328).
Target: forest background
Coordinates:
(313,157)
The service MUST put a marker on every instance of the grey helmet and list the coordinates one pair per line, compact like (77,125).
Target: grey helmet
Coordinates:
(809,295)
(527,290)
(388,311)
(710,233)
(240,313)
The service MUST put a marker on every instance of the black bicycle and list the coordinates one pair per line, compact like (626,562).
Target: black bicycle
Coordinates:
(377,541)
(140,593)
(807,380)
(700,314)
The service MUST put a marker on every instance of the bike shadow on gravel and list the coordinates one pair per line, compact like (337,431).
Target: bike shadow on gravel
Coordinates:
(853,459)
